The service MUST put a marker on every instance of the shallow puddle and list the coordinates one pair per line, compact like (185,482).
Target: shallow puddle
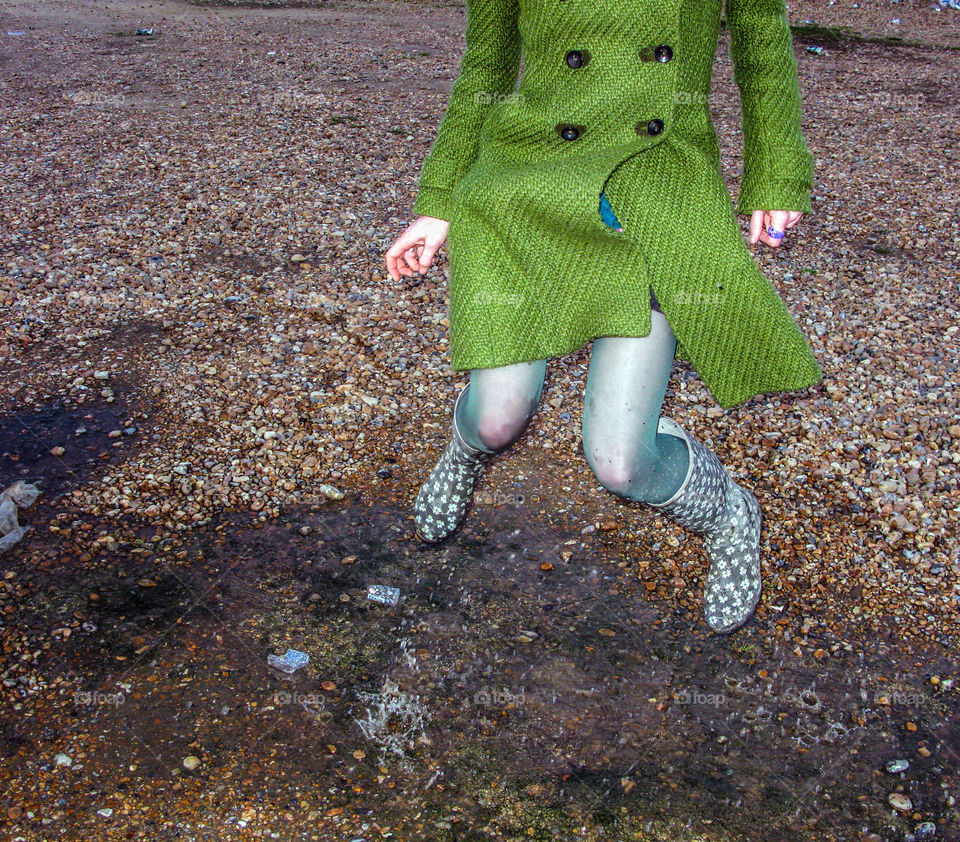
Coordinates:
(29,442)
(496,699)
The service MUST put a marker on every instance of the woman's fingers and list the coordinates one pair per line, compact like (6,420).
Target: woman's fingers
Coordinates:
(391,256)
(416,247)
(410,258)
(404,248)
(429,249)
(775,228)
(756,226)
(770,226)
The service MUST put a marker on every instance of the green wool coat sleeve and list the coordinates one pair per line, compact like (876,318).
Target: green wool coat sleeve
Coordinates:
(777,165)
(488,70)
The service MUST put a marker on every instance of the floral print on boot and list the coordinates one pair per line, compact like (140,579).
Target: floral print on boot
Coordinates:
(728,517)
(443,498)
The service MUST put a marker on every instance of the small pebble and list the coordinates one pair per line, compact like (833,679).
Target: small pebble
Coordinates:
(899,801)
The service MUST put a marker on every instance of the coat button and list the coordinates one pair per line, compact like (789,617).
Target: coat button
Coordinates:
(654,126)
(577,58)
(568,132)
(662,52)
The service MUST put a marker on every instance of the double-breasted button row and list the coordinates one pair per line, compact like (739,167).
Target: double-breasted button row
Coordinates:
(570,132)
(662,53)
(578,58)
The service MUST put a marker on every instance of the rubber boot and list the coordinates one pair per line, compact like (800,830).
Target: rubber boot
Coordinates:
(443,498)
(728,517)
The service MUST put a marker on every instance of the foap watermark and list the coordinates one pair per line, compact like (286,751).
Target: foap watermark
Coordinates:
(294,98)
(682,97)
(96,697)
(487,696)
(891,99)
(499,498)
(899,697)
(305,700)
(492,297)
(694,298)
(900,688)
(488,97)
(95,98)
(303,299)
(695,697)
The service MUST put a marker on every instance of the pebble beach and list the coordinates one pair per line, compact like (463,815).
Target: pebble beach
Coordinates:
(204,361)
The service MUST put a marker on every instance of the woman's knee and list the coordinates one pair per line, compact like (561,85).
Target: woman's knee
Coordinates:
(504,423)
(499,404)
(621,470)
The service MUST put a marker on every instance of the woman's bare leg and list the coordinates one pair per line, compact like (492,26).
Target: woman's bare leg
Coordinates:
(625,388)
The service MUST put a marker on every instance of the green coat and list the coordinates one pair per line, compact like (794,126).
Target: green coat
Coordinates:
(615,98)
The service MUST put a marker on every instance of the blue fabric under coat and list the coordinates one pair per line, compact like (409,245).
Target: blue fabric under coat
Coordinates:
(607,212)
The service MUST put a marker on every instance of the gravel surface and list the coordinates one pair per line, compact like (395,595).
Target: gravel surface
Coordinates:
(196,321)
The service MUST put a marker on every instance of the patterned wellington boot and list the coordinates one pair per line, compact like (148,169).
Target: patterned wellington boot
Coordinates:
(443,498)
(728,517)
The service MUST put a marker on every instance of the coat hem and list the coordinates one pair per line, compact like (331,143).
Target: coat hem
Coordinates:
(465,362)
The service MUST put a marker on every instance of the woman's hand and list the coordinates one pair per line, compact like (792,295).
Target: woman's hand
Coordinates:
(780,220)
(416,245)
